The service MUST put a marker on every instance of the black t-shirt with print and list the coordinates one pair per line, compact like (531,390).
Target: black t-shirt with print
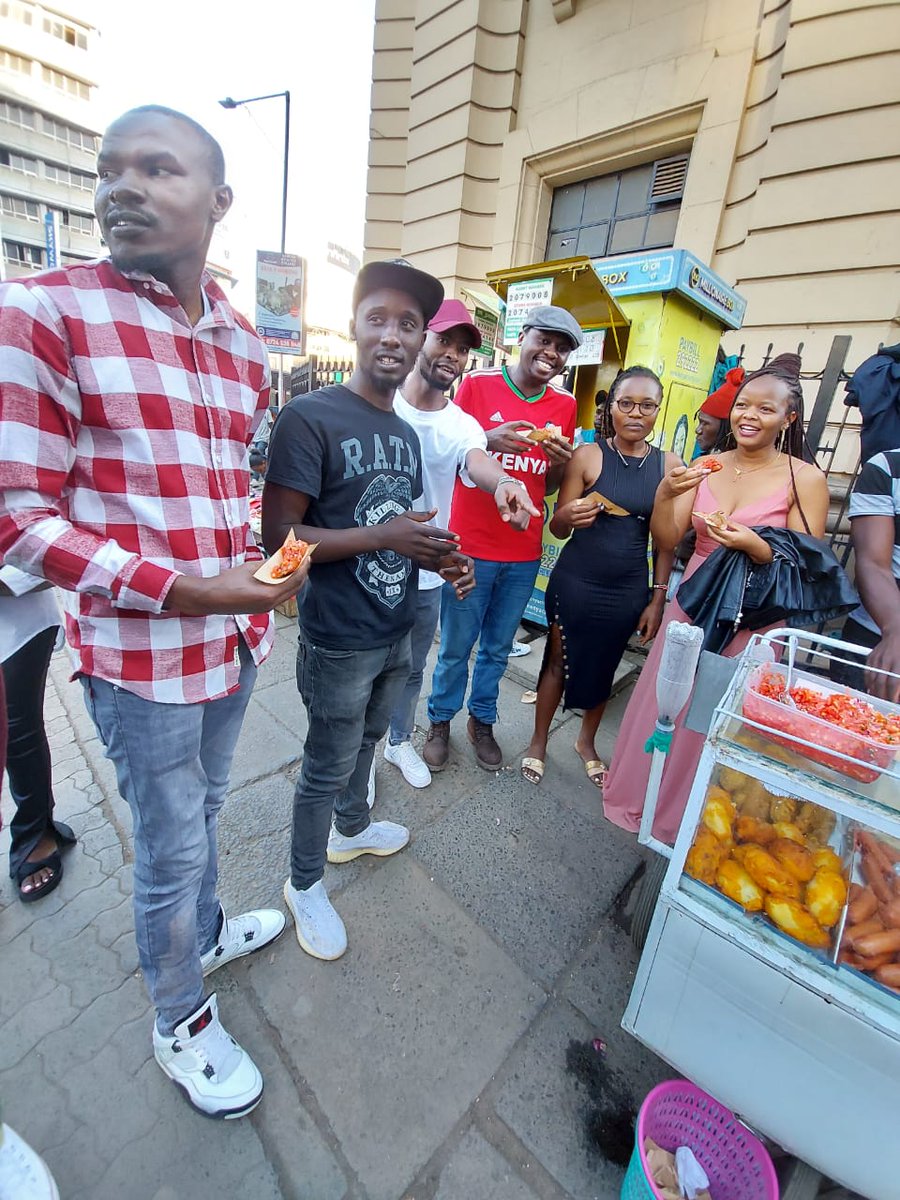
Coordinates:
(359,466)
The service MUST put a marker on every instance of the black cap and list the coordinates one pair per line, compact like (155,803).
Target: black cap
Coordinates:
(556,320)
(402,276)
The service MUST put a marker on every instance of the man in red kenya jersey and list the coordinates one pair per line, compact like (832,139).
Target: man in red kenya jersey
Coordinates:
(507,403)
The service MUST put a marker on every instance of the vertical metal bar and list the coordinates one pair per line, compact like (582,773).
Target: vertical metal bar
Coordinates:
(837,356)
(287,152)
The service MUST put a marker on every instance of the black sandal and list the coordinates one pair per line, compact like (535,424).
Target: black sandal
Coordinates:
(65,841)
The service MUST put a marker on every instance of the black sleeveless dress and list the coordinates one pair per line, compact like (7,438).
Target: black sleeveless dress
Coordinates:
(600,584)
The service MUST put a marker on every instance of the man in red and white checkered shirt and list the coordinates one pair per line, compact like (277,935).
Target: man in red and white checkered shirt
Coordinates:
(130,393)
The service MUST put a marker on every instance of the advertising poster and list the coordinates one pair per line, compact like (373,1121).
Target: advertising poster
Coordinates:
(521,298)
(279,300)
(486,324)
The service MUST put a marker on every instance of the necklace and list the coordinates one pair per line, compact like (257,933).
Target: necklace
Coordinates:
(749,471)
(625,460)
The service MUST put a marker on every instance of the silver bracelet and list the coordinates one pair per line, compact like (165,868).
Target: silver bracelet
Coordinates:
(509,479)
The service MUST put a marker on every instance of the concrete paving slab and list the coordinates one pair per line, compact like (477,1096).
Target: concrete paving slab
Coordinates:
(599,985)
(528,867)
(265,745)
(545,1103)
(305,1164)
(379,1035)
(475,1169)
(283,701)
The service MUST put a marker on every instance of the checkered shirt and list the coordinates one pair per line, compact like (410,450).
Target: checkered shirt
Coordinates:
(123,463)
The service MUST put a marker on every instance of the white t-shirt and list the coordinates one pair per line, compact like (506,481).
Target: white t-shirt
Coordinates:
(26,614)
(446,437)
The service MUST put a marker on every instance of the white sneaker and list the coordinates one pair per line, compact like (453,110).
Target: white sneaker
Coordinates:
(519,650)
(380,837)
(370,793)
(218,1078)
(413,769)
(243,935)
(23,1173)
(320,930)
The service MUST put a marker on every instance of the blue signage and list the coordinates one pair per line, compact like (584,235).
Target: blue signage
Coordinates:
(672,271)
(51,238)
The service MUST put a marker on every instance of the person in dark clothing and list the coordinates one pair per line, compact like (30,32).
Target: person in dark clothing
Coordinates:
(875,391)
(598,593)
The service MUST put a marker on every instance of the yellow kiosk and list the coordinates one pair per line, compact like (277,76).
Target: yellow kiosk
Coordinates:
(665,310)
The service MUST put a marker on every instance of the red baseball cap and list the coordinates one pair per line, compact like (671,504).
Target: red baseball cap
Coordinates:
(718,403)
(451,314)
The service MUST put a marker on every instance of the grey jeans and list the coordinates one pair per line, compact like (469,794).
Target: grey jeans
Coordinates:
(349,696)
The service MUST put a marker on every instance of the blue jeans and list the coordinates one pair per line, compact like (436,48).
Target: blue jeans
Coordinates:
(172,763)
(349,696)
(489,615)
(403,718)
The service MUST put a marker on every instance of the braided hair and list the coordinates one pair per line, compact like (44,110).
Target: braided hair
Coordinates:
(792,442)
(604,422)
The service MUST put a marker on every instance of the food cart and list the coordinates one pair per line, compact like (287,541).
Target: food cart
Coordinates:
(790,1034)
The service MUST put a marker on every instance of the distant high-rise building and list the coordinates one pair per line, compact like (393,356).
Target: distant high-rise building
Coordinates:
(48,139)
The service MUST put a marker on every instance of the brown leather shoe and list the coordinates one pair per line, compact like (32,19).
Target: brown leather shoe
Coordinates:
(437,745)
(488,753)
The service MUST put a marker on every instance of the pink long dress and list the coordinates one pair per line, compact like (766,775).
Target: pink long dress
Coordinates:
(626,783)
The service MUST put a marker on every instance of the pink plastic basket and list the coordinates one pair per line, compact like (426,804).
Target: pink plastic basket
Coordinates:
(678,1113)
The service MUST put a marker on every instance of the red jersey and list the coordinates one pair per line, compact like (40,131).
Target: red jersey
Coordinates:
(492,399)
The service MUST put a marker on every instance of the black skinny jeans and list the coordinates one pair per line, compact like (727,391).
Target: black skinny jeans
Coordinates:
(27,752)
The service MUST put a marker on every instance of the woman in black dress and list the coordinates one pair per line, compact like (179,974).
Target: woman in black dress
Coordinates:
(598,593)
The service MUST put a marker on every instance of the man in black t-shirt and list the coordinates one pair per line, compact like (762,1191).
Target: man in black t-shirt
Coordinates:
(344,471)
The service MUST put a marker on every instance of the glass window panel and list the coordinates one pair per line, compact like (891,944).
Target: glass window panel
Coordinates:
(599,199)
(661,227)
(592,240)
(566,211)
(634,190)
(562,245)
(627,235)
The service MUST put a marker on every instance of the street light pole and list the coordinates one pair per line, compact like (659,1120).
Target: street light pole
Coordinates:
(229,103)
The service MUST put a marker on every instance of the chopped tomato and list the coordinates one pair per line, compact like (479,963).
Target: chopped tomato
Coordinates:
(708,463)
(846,712)
(292,555)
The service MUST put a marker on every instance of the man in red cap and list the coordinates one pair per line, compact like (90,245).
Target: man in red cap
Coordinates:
(452,443)
(713,425)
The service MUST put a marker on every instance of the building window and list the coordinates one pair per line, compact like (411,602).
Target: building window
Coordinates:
(66,33)
(76,222)
(18,162)
(636,209)
(18,12)
(20,252)
(14,114)
(75,179)
(65,83)
(15,62)
(13,206)
(69,135)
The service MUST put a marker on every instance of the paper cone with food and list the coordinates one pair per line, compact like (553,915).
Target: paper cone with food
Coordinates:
(290,556)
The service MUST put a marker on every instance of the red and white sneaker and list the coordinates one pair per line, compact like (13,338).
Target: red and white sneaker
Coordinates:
(217,1076)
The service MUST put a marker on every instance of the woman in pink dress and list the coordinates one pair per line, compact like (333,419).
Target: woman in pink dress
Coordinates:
(762,481)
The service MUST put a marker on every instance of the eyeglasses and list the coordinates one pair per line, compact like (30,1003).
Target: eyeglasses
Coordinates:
(647,408)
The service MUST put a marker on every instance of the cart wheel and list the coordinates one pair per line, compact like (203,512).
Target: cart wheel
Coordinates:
(645,900)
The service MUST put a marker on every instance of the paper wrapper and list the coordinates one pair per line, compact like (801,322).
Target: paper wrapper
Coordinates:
(609,506)
(541,435)
(264,573)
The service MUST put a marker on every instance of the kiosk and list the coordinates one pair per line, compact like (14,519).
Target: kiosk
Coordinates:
(664,310)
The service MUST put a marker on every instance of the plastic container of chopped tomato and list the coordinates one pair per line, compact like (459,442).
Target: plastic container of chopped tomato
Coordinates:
(872,756)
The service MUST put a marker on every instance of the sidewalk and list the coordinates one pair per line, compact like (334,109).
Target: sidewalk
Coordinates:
(447,1056)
